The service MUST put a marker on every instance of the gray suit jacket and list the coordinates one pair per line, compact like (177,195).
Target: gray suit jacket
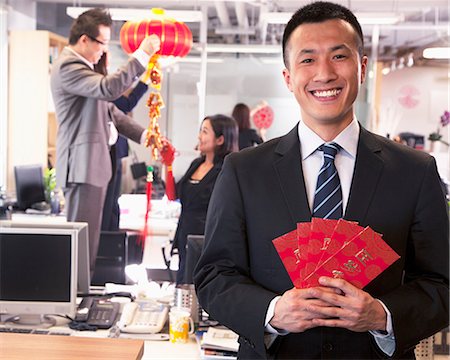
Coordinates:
(81,98)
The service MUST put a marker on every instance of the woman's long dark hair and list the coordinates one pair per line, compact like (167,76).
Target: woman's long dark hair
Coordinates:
(241,113)
(226,126)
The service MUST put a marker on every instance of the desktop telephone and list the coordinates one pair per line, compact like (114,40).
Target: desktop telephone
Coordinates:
(143,317)
(97,312)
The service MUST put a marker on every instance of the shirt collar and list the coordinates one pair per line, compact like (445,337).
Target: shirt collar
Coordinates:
(88,63)
(347,139)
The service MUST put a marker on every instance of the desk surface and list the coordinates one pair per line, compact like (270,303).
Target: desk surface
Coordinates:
(165,350)
(54,347)
(153,349)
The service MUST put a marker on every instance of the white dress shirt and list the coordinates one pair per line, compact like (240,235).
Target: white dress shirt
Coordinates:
(312,161)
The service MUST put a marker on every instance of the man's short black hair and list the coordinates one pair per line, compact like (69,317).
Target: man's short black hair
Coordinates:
(88,23)
(318,12)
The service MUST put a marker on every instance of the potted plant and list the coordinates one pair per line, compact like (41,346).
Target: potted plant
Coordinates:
(436,136)
(51,196)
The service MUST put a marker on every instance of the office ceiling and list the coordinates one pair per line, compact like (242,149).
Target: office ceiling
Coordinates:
(241,22)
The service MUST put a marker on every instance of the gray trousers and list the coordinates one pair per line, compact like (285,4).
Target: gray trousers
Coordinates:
(84,202)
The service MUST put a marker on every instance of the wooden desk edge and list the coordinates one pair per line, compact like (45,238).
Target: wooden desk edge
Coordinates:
(20,346)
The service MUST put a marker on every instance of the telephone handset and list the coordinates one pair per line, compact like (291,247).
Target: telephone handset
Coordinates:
(143,317)
(97,312)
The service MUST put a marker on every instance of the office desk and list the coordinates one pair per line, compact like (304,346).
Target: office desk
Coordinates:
(163,216)
(153,350)
(38,218)
(54,347)
(165,350)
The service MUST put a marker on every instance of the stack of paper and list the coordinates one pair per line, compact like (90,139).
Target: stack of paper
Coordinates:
(334,248)
(219,343)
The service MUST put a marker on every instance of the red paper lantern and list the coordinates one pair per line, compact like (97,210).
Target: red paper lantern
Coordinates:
(263,117)
(176,37)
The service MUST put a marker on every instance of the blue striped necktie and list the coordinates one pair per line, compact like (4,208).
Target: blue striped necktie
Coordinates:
(328,194)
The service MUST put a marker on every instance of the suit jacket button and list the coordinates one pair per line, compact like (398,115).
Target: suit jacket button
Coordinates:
(327,347)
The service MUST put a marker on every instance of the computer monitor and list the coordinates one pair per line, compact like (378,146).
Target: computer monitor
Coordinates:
(29,185)
(84,276)
(194,249)
(38,273)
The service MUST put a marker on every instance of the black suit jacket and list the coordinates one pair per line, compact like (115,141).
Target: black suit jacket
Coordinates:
(260,195)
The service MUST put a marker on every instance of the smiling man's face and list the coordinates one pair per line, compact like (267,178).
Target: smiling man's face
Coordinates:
(325,71)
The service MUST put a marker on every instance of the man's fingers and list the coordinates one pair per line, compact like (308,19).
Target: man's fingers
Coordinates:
(341,284)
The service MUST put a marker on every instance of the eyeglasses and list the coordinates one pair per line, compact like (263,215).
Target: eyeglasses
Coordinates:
(95,40)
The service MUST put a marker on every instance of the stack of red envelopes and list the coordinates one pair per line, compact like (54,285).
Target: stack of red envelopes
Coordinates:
(334,248)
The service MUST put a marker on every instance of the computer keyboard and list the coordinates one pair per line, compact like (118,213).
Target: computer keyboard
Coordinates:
(4,329)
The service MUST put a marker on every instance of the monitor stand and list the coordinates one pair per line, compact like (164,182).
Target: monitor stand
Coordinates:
(32,321)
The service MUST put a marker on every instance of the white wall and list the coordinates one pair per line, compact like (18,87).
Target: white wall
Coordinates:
(413,100)
(22,15)
(417,97)
(3,93)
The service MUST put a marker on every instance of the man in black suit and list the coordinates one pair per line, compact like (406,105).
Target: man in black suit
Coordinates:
(263,192)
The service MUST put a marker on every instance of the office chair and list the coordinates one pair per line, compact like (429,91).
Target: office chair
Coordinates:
(29,185)
(139,173)
(194,248)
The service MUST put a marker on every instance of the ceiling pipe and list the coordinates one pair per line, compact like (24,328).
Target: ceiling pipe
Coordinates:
(263,23)
(201,85)
(224,18)
(242,19)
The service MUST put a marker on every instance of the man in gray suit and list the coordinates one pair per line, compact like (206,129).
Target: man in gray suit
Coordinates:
(87,121)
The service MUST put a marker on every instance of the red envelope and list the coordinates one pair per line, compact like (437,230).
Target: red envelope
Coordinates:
(320,235)
(359,261)
(306,263)
(342,233)
(286,246)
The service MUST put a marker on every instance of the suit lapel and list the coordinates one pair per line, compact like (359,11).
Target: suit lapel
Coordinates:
(290,176)
(368,169)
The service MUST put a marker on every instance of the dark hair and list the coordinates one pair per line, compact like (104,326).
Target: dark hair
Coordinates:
(226,126)
(317,12)
(101,66)
(241,113)
(88,23)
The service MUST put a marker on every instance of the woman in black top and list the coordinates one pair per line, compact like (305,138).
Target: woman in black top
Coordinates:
(217,138)
(247,136)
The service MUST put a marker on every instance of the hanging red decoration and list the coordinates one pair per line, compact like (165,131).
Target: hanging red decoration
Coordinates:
(167,157)
(176,40)
(263,116)
(176,37)
(148,192)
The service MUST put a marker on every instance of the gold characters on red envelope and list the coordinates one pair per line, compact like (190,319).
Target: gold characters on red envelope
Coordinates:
(335,248)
